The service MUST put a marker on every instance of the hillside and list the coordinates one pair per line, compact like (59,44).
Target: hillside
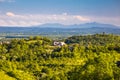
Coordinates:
(91,57)
(59,30)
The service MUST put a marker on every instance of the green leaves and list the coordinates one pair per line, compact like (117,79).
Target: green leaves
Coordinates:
(91,57)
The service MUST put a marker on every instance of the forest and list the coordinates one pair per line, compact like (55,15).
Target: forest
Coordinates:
(83,57)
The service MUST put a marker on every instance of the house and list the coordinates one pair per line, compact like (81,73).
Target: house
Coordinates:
(56,43)
(62,43)
(4,42)
(0,43)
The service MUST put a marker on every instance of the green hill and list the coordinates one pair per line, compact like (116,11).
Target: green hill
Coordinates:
(89,57)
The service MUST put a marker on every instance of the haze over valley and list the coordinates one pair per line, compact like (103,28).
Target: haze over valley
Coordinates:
(59,39)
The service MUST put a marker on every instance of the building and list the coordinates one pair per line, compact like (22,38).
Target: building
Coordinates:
(4,42)
(56,43)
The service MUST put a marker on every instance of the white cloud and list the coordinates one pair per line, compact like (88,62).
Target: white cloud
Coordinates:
(12,19)
(81,18)
(106,20)
(64,14)
(10,14)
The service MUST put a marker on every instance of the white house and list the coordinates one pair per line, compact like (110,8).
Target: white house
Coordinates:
(56,43)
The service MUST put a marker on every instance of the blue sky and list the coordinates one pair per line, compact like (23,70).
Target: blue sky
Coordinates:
(37,12)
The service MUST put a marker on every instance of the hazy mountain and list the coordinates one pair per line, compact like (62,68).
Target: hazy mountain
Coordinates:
(52,29)
(86,25)
(51,25)
(98,25)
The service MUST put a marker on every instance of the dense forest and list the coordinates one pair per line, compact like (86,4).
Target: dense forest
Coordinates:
(88,57)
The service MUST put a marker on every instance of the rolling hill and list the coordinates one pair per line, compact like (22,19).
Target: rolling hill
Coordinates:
(65,30)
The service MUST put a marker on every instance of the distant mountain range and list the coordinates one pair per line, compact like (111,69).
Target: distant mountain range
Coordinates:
(86,25)
(59,29)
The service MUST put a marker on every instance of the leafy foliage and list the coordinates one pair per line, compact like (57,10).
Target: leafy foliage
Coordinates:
(90,57)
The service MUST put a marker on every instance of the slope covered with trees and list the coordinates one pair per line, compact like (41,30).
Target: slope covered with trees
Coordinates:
(90,57)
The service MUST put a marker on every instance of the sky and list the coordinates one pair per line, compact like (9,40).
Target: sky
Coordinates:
(68,12)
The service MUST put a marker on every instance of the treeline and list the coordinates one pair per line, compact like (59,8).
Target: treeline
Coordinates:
(90,57)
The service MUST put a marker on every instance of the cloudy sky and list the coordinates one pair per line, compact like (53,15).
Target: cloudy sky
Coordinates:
(67,12)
